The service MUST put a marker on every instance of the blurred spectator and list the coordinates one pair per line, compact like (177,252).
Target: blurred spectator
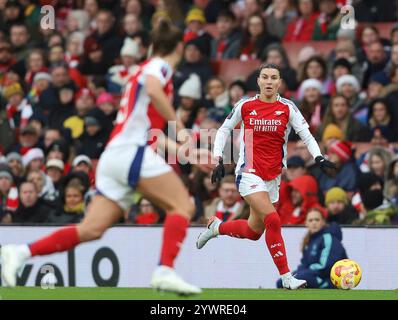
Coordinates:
(35,62)
(275,54)
(237,90)
(278,15)
(59,149)
(32,208)
(346,49)
(65,106)
(302,27)
(44,185)
(348,86)
(49,99)
(106,36)
(8,195)
(143,40)
(20,41)
(107,104)
(313,105)
(339,114)
(380,115)
(315,68)
(378,161)
(195,22)
(339,208)
(51,135)
(217,94)
(147,213)
(228,206)
(295,168)
(7,59)
(340,152)
(190,94)
(77,21)
(14,162)
(33,160)
(96,132)
(131,24)
(72,210)
(228,43)
(301,196)
(28,138)
(55,170)
(391,185)
(331,134)
(328,22)
(94,60)
(255,38)
(322,248)
(18,109)
(369,35)
(41,82)
(118,75)
(84,102)
(376,61)
(74,49)
(194,61)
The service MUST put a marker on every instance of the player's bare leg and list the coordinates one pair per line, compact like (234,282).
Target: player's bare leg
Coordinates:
(101,215)
(168,192)
(251,229)
(262,207)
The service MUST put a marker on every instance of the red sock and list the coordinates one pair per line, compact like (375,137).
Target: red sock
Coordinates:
(238,229)
(61,240)
(275,243)
(175,228)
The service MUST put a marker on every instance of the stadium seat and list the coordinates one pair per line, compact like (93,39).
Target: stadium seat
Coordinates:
(234,69)
(293,49)
(385,28)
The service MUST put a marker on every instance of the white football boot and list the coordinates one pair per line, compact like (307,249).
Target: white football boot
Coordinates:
(13,258)
(209,233)
(290,282)
(166,279)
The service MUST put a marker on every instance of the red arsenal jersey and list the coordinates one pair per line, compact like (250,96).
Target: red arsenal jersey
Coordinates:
(265,128)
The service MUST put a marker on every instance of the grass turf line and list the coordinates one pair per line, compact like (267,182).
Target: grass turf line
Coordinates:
(101,293)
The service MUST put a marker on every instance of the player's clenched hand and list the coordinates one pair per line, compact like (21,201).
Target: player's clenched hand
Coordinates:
(218,172)
(326,166)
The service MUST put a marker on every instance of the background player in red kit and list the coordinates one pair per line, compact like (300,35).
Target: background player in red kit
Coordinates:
(129,164)
(266,120)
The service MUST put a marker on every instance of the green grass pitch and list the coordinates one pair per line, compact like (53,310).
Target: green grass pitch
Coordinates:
(72,293)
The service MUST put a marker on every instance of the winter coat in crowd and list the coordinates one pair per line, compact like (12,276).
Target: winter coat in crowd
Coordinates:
(38,213)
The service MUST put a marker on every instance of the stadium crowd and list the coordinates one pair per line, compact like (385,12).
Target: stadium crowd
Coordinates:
(60,90)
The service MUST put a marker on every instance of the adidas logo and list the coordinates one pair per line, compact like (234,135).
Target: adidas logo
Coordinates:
(278,254)
(278,113)
(253,113)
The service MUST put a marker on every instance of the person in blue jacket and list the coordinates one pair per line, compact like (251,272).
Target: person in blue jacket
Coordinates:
(321,248)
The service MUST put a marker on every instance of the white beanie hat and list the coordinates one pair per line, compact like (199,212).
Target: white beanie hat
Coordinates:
(130,48)
(191,88)
(347,78)
(32,154)
(42,76)
(311,83)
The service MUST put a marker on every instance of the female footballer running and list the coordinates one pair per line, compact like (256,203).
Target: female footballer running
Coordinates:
(266,120)
(128,164)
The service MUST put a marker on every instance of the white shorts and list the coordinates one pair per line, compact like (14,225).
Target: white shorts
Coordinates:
(249,183)
(120,168)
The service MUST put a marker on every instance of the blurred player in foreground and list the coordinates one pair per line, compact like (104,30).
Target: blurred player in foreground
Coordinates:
(128,164)
(266,120)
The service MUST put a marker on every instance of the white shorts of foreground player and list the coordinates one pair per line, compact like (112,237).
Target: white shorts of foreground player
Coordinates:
(126,257)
